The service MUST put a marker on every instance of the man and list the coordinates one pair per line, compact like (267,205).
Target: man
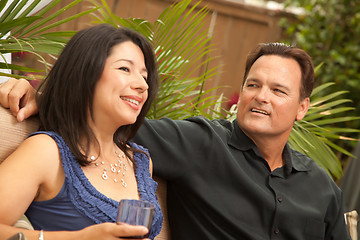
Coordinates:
(240,179)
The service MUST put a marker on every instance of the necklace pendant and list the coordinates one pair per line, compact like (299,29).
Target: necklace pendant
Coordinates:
(118,167)
(104,176)
(123,183)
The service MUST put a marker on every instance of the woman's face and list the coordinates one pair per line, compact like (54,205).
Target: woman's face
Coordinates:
(122,89)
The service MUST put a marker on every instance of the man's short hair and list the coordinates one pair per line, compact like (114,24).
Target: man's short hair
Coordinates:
(283,50)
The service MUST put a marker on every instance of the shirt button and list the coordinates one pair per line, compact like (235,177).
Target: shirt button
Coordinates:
(276,231)
(280,199)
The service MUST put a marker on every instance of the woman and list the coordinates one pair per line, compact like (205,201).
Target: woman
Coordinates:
(74,171)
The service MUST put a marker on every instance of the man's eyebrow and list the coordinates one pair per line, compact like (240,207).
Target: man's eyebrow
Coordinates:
(279,85)
(252,80)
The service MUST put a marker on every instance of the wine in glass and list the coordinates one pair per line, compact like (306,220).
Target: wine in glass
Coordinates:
(136,212)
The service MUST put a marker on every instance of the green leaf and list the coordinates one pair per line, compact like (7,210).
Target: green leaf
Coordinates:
(61,22)
(335,120)
(8,11)
(39,42)
(3,4)
(18,67)
(315,148)
(44,21)
(5,27)
(29,8)
(321,88)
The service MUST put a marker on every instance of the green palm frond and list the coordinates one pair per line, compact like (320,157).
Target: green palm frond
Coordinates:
(182,48)
(32,34)
(314,134)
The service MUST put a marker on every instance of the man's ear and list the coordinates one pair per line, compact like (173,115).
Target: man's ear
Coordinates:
(303,108)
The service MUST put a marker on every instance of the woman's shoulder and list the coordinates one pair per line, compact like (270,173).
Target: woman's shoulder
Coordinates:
(39,155)
(49,139)
(41,150)
(39,145)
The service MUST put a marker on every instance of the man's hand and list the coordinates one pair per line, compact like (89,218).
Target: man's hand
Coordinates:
(19,96)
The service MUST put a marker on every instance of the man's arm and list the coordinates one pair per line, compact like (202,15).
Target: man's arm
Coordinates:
(175,145)
(19,96)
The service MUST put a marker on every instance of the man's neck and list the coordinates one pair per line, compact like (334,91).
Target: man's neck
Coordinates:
(271,149)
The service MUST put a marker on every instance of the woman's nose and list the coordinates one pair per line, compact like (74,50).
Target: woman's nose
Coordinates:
(140,83)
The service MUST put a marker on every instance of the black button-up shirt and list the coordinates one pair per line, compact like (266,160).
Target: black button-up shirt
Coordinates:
(220,187)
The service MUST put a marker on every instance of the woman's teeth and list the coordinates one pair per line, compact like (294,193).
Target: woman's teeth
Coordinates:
(130,100)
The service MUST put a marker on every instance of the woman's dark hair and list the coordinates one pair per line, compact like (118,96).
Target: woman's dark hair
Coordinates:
(67,92)
(283,50)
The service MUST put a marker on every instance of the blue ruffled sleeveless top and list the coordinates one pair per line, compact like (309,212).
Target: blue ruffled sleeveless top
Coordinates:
(79,204)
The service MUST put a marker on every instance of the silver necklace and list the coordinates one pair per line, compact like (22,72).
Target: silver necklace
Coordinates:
(119,168)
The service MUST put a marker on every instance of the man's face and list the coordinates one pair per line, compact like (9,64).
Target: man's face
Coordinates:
(269,101)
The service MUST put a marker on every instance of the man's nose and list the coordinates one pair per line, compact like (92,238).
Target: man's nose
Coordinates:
(263,95)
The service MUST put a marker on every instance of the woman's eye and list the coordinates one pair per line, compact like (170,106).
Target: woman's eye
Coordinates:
(124,69)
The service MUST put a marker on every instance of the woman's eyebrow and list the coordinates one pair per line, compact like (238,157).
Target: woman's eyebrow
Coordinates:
(131,62)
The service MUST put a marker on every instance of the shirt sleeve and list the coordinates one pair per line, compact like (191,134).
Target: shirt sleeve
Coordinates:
(170,143)
(337,228)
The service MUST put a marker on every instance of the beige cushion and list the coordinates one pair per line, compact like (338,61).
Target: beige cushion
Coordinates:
(13,133)
(161,194)
(351,220)
(24,223)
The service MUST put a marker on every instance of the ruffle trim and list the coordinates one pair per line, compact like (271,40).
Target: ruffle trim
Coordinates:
(147,186)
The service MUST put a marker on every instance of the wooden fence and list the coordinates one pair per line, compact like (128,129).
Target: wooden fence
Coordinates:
(236,28)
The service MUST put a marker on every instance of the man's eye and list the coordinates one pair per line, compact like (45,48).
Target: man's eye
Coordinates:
(279,91)
(124,69)
(251,85)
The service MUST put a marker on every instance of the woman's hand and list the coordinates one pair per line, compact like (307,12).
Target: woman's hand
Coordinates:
(103,231)
(19,96)
(108,231)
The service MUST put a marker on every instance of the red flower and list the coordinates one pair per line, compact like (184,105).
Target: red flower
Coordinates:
(19,56)
(233,100)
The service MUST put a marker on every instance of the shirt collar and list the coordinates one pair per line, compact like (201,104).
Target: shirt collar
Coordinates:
(239,139)
(299,161)
(293,159)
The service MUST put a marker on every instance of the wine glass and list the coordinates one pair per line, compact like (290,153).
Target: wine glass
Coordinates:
(136,212)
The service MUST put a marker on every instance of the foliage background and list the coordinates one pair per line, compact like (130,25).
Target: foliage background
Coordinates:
(183,46)
(329,30)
